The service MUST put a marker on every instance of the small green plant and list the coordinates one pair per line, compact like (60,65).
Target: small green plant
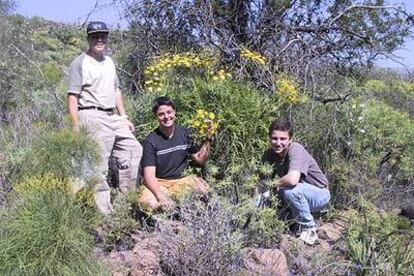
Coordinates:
(118,227)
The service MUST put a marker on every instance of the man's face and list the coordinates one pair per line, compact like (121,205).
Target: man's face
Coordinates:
(280,142)
(165,116)
(97,42)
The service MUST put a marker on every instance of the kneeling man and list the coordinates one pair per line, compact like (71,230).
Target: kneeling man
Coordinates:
(165,157)
(301,182)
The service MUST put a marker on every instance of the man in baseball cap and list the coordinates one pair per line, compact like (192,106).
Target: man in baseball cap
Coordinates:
(95,103)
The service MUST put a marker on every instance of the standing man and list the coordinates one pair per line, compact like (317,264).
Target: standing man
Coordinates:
(301,182)
(94,97)
(166,153)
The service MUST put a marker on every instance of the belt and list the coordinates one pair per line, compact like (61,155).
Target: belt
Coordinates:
(107,110)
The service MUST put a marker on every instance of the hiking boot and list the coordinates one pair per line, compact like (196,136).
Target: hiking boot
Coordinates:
(309,235)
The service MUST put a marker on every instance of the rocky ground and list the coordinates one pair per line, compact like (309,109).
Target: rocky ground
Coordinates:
(293,257)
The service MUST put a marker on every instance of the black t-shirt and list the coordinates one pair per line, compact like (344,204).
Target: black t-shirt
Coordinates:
(168,155)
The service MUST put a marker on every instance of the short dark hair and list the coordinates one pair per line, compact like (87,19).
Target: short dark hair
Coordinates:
(161,101)
(281,124)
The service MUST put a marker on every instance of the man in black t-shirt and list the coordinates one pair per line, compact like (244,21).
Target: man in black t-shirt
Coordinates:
(165,157)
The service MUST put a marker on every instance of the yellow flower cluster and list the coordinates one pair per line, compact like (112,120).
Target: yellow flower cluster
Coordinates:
(47,182)
(204,123)
(221,75)
(287,88)
(161,65)
(253,56)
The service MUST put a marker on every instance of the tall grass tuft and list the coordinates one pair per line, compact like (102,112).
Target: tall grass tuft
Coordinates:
(46,233)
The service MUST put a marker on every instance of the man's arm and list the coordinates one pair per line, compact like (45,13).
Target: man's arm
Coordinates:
(121,109)
(73,111)
(290,179)
(201,156)
(152,184)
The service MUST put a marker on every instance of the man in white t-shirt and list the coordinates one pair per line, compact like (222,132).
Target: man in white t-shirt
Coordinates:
(93,99)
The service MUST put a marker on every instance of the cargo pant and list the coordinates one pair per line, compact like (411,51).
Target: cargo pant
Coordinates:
(174,188)
(114,138)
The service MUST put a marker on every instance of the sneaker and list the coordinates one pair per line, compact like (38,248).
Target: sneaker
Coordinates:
(309,235)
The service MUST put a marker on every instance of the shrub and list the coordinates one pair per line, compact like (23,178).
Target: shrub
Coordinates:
(46,233)
(207,242)
(379,243)
(62,153)
(386,136)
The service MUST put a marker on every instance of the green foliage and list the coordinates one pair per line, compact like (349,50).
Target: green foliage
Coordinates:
(397,93)
(349,181)
(262,226)
(62,153)
(244,114)
(119,225)
(379,243)
(386,136)
(51,72)
(46,233)
(36,184)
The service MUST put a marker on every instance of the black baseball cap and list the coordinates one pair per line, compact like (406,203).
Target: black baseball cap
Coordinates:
(96,27)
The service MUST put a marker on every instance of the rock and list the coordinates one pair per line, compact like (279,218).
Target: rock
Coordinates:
(146,263)
(141,260)
(331,231)
(265,262)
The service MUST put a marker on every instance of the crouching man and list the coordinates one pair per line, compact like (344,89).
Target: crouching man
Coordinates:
(166,155)
(301,183)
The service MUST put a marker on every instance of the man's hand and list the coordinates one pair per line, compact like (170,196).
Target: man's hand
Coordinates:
(210,127)
(166,203)
(130,125)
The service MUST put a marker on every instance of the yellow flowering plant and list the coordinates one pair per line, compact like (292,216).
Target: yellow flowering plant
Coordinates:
(288,89)
(155,73)
(205,124)
(253,56)
(221,75)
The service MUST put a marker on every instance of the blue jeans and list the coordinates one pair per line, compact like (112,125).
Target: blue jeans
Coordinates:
(303,199)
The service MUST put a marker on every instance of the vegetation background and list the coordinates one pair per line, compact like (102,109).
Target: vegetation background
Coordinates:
(246,62)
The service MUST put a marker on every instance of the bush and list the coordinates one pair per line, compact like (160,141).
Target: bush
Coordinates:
(379,243)
(62,153)
(206,243)
(386,137)
(46,233)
